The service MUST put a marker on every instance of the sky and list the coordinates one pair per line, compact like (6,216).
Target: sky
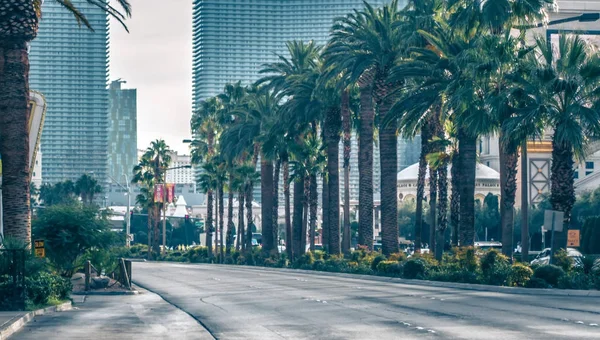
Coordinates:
(156,58)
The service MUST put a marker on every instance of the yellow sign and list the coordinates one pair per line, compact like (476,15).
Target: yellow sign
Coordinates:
(573,238)
(40,250)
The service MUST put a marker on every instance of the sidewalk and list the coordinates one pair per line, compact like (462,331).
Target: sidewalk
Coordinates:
(143,316)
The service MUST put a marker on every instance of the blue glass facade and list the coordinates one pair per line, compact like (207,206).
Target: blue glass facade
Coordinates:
(233,38)
(69,65)
(122,156)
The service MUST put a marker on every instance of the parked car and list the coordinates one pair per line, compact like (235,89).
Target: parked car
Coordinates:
(544,257)
(484,246)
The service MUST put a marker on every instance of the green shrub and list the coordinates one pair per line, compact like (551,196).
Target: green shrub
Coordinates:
(536,282)
(305,261)
(575,280)
(562,260)
(399,257)
(44,286)
(549,273)
(520,275)
(103,260)
(495,268)
(229,260)
(414,268)
(376,260)
(389,267)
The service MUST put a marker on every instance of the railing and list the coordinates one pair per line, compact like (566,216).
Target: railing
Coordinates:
(12,279)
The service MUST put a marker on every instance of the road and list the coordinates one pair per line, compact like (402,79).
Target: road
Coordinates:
(235,302)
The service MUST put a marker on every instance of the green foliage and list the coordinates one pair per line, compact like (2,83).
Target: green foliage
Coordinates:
(45,286)
(575,280)
(590,234)
(70,231)
(305,261)
(520,275)
(495,268)
(399,257)
(103,260)
(562,259)
(487,215)
(377,260)
(550,273)
(414,269)
(393,268)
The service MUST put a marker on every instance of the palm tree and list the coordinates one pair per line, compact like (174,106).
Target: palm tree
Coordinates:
(86,187)
(153,164)
(19,21)
(565,87)
(208,183)
(367,43)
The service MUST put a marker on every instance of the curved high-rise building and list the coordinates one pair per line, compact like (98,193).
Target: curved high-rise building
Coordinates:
(234,38)
(69,65)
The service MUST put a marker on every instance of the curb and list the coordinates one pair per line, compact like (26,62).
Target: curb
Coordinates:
(17,324)
(130,292)
(462,286)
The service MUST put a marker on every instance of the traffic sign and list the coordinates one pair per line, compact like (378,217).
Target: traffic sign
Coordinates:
(39,246)
(573,238)
(553,220)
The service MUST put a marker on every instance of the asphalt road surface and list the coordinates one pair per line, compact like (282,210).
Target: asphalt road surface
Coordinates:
(251,303)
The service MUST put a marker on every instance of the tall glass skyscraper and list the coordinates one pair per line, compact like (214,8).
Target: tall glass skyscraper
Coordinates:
(234,38)
(69,65)
(122,156)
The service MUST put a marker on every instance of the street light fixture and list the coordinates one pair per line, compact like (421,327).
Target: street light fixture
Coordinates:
(585,17)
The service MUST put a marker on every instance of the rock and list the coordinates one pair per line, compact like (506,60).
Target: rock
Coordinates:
(99,282)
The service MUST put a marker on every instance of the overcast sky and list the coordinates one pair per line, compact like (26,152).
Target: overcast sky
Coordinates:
(155,58)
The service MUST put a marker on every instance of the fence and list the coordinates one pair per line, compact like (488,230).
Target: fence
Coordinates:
(12,279)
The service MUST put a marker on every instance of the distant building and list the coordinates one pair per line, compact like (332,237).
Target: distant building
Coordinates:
(69,65)
(36,176)
(182,175)
(122,155)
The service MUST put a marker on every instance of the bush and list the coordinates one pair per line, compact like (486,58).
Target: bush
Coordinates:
(575,280)
(520,275)
(399,257)
(562,260)
(414,268)
(305,261)
(495,268)
(536,282)
(44,286)
(376,261)
(550,273)
(389,267)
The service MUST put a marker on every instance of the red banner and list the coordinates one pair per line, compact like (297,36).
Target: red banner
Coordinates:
(170,192)
(159,193)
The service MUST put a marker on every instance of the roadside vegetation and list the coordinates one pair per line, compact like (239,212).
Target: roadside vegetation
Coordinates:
(461,265)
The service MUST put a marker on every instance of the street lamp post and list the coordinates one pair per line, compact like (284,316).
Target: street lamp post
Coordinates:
(128,213)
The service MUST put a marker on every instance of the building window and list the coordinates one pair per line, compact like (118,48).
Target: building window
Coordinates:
(589,165)
(576,174)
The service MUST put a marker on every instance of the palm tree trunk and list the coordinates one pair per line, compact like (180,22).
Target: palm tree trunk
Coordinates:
(276,205)
(332,131)
(217,224)
(209,222)
(14,143)
(365,167)
(388,143)
(266,186)
(508,187)
(433,192)
(467,146)
(455,199)
(288,218)
(314,198)
(305,208)
(156,233)
(524,204)
(442,206)
(221,222)
(297,221)
(325,215)
(249,219)
(346,126)
(240,227)
(562,191)
(230,223)
(425,137)
(150,231)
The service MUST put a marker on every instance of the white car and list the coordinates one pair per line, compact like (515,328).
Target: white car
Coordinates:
(544,257)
